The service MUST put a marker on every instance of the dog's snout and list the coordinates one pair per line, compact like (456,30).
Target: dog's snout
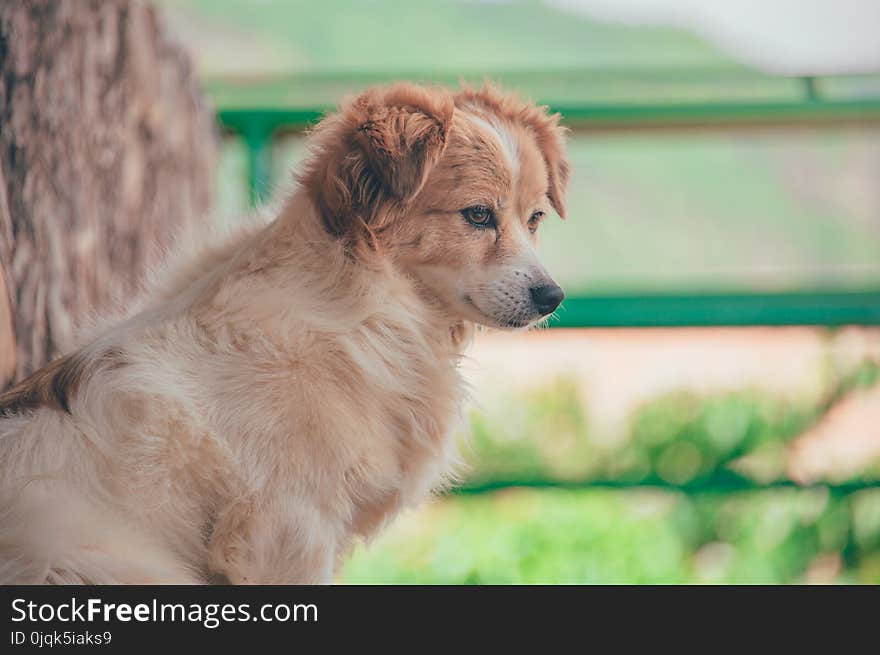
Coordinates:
(547,297)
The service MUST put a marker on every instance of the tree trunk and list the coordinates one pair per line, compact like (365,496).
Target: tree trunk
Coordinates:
(106,149)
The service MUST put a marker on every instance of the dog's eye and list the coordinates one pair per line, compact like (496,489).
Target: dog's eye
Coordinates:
(535,221)
(479,216)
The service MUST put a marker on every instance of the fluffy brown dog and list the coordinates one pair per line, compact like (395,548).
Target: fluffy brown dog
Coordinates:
(290,389)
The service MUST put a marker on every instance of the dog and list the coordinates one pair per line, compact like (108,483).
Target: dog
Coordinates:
(283,393)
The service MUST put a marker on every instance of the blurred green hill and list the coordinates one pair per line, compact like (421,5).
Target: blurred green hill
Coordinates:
(425,35)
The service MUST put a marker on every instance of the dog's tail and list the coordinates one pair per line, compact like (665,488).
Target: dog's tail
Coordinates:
(53,538)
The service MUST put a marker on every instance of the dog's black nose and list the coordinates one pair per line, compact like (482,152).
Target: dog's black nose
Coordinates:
(547,297)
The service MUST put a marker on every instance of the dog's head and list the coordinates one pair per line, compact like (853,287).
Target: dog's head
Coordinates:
(452,187)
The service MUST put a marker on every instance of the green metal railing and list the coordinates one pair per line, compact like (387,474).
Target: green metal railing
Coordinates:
(721,483)
(829,308)
(258,110)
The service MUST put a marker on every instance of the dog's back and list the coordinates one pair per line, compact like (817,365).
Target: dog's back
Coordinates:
(60,516)
(73,505)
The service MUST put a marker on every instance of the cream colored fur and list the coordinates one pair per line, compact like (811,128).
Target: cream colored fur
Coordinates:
(284,399)
(273,398)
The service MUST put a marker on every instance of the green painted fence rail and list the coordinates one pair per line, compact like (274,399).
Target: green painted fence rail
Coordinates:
(259,109)
(719,484)
(828,308)
(584,117)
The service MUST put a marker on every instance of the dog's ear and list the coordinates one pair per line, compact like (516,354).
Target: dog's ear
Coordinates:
(378,149)
(550,136)
(403,133)
(551,140)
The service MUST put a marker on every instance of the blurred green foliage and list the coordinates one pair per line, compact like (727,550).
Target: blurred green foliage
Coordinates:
(557,536)
(681,439)
(641,534)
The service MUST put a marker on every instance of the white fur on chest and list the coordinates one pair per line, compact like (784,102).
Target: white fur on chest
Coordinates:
(358,422)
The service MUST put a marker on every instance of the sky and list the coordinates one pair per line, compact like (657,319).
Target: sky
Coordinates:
(783,36)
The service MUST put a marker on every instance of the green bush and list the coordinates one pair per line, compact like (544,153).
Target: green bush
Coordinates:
(557,536)
(688,439)
(702,533)
(680,438)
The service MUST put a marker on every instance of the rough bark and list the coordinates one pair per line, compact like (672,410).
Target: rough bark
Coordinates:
(106,149)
